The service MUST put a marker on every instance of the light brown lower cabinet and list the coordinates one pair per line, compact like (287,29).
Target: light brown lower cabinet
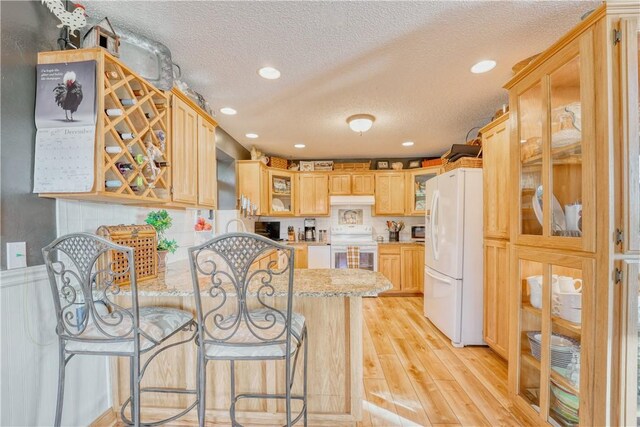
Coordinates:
(403,265)
(301,255)
(496,295)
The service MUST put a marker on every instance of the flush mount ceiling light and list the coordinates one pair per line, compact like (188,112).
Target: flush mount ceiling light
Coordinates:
(360,122)
(228,111)
(251,135)
(407,143)
(269,73)
(483,66)
(299,145)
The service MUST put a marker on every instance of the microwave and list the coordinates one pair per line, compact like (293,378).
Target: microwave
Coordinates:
(417,233)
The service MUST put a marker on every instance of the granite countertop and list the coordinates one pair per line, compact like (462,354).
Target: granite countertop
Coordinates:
(402,242)
(308,243)
(176,281)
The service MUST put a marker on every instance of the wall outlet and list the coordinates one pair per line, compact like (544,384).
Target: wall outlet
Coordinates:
(16,255)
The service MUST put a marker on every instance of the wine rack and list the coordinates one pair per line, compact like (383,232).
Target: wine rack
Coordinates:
(132,147)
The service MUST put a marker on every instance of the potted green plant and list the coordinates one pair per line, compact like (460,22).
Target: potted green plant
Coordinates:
(161,221)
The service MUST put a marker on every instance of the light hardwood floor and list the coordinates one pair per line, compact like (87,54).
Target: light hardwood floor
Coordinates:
(413,376)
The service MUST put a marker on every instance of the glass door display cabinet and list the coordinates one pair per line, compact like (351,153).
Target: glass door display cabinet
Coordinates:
(555,147)
(553,359)
(416,189)
(627,269)
(575,225)
(281,190)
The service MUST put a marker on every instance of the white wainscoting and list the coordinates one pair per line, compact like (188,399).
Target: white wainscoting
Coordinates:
(29,359)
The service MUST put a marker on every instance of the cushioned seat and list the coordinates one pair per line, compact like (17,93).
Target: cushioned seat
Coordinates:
(248,345)
(156,322)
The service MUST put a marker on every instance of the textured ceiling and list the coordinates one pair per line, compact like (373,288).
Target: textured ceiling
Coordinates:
(407,63)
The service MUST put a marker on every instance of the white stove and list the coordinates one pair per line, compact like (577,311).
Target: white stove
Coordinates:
(360,236)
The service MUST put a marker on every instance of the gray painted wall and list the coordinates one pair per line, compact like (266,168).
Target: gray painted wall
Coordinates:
(228,151)
(27,27)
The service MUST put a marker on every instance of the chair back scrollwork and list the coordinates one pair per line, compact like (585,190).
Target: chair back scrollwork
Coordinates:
(240,291)
(84,285)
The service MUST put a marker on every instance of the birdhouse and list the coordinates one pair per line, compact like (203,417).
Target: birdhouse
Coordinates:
(103,35)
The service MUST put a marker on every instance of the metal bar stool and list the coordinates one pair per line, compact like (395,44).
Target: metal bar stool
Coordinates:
(244,323)
(89,322)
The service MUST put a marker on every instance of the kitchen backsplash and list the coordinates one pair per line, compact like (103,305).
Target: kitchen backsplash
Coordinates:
(82,216)
(379,223)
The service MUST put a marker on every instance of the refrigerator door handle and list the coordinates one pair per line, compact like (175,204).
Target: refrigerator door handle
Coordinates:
(444,279)
(434,224)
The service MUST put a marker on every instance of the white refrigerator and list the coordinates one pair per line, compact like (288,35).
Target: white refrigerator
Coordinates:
(453,285)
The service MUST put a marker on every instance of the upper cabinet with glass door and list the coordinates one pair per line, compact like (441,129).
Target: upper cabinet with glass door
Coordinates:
(554,150)
(416,189)
(281,190)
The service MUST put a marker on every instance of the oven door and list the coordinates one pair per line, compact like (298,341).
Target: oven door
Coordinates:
(368,257)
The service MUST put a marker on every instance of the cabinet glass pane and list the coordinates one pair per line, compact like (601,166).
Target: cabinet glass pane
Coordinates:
(530,113)
(281,200)
(530,332)
(566,320)
(419,191)
(566,150)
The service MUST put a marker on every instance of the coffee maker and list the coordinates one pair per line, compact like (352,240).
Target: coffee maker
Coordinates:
(310,229)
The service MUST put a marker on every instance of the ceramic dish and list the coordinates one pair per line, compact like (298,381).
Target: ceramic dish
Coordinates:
(559,220)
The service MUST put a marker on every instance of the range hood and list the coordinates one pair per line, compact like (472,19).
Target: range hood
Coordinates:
(351,200)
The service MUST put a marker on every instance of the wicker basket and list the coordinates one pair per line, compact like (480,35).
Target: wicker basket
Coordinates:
(463,162)
(278,162)
(143,240)
(352,166)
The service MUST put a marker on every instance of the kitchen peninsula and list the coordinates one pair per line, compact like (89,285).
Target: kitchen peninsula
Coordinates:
(331,302)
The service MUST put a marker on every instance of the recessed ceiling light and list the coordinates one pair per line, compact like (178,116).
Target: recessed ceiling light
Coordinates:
(251,135)
(299,145)
(407,143)
(483,66)
(228,111)
(269,73)
(360,122)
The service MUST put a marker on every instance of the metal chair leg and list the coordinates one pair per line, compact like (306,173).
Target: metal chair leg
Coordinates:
(287,399)
(202,387)
(60,398)
(135,408)
(232,407)
(304,380)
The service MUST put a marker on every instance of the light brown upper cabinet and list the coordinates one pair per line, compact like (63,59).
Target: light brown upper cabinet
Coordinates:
(362,184)
(340,184)
(389,192)
(554,152)
(313,194)
(252,177)
(282,187)
(184,159)
(495,175)
(207,176)
(416,186)
(628,148)
(194,182)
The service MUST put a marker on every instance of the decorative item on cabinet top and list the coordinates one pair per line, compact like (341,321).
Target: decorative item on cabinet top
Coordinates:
(103,35)
(148,58)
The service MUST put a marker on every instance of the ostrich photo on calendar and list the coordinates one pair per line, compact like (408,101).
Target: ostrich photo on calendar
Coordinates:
(68,95)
